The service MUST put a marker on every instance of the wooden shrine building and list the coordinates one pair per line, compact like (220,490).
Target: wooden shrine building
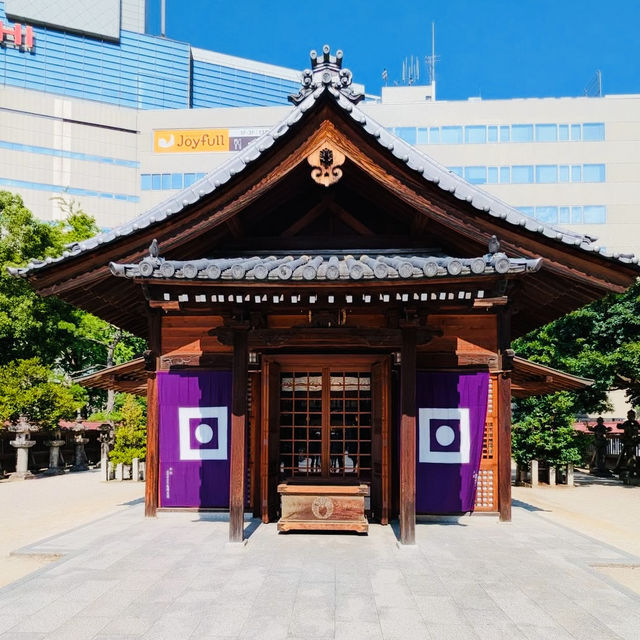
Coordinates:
(329,318)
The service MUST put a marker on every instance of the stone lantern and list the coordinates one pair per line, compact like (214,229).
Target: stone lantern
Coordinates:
(106,440)
(22,444)
(80,463)
(54,445)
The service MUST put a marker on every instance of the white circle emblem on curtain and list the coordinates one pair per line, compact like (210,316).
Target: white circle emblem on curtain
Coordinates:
(445,435)
(203,433)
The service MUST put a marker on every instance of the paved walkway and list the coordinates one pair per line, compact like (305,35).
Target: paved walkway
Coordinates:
(35,509)
(125,577)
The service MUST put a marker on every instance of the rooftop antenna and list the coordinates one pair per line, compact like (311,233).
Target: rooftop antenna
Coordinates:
(410,70)
(594,86)
(163,17)
(432,59)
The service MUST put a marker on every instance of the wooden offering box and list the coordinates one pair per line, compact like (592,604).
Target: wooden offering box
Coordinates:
(326,507)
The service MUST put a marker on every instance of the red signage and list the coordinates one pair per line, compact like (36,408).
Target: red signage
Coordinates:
(14,35)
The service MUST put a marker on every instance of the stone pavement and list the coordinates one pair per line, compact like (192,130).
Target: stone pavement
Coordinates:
(44,506)
(124,577)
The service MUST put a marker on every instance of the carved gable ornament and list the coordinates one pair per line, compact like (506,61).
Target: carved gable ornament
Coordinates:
(326,161)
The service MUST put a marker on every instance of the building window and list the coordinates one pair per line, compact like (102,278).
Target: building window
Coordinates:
(451,135)
(594,214)
(521,174)
(587,214)
(145,181)
(492,175)
(408,134)
(563,132)
(548,215)
(456,170)
(505,175)
(593,173)
(505,134)
(434,135)
(521,133)
(492,134)
(563,173)
(546,173)
(475,134)
(546,133)
(576,173)
(593,131)
(422,137)
(475,175)
(575,132)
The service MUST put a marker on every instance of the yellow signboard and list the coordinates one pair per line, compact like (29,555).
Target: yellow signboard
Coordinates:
(190,140)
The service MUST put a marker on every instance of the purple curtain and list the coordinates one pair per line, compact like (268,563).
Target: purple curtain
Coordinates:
(194,410)
(452,411)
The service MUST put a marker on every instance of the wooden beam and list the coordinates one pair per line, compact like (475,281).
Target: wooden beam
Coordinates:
(408,437)
(238,437)
(151,492)
(350,220)
(307,218)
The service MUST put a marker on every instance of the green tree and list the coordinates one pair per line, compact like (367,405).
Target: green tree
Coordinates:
(29,388)
(543,430)
(60,335)
(131,432)
(600,341)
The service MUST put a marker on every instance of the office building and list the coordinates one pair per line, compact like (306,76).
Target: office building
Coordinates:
(95,110)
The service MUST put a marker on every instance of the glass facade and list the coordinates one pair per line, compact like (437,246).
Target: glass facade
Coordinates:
(62,153)
(140,71)
(532,174)
(73,191)
(168,181)
(215,85)
(490,134)
(581,214)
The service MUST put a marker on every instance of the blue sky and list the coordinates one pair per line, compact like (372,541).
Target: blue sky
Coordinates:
(488,48)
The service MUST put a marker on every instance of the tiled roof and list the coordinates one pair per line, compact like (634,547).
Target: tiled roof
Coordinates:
(327,267)
(334,81)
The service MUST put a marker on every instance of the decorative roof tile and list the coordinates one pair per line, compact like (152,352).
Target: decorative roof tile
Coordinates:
(323,267)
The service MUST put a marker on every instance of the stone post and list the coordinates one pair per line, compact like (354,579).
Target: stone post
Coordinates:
(106,440)
(534,473)
(552,476)
(570,479)
(22,444)
(80,463)
(54,454)
(135,469)
(120,471)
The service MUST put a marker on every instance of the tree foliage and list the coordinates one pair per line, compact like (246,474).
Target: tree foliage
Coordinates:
(29,388)
(60,336)
(600,341)
(130,432)
(543,430)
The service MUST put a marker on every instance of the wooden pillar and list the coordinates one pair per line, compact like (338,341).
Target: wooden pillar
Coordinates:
(504,448)
(152,464)
(408,437)
(504,415)
(238,435)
